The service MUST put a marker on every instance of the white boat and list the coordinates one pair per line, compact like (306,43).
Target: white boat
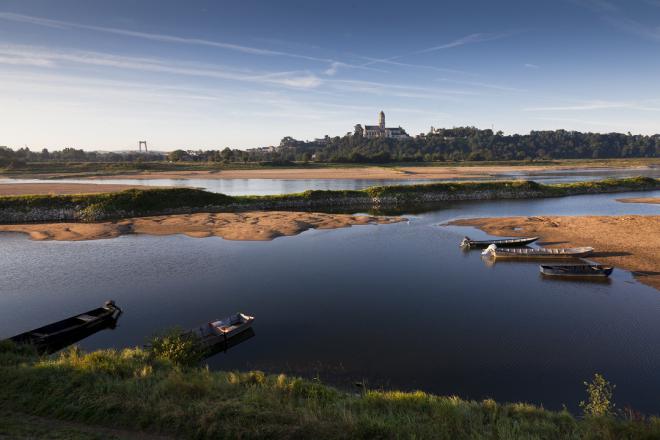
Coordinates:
(494,251)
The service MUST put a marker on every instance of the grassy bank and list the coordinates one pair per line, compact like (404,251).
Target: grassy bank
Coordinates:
(56,170)
(135,390)
(135,203)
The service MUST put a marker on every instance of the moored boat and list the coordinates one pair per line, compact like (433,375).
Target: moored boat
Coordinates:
(505,242)
(494,251)
(53,337)
(576,270)
(218,335)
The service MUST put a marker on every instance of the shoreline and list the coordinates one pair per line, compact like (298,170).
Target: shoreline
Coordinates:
(628,242)
(55,188)
(170,201)
(247,226)
(651,200)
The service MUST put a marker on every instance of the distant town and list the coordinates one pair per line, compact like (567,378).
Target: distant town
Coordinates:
(380,144)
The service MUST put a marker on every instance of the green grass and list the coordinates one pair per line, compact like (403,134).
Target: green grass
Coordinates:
(134,390)
(157,201)
(56,170)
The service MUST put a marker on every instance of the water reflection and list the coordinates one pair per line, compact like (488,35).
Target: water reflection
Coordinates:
(399,305)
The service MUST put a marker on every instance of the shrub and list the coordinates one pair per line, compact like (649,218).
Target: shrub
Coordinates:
(177,347)
(599,397)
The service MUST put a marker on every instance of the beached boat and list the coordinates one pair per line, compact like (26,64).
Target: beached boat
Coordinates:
(494,251)
(576,270)
(221,334)
(504,242)
(55,336)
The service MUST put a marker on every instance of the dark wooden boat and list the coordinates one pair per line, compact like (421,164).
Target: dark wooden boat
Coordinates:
(504,242)
(55,336)
(576,270)
(546,253)
(223,333)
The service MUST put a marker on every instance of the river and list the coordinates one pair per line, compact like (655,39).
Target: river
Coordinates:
(396,306)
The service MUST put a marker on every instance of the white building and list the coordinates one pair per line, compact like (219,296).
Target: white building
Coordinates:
(376,131)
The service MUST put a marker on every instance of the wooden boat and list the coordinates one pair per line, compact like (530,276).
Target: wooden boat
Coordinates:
(221,334)
(55,336)
(504,242)
(494,251)
(576,270)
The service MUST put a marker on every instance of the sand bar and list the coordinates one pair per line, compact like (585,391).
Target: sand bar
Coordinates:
(630,242)
(255,225)
(18,189)
(652,200)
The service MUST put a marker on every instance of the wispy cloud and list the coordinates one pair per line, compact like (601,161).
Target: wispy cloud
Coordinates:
(596,105)
(483,84)
(165,38)
(49,57)
(618,18)
(468,39)
(531,66)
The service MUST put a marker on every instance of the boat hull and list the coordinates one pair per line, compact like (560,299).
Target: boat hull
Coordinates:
(576,271)
(509,242)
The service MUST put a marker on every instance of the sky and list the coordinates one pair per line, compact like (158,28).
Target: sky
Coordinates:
(208,74)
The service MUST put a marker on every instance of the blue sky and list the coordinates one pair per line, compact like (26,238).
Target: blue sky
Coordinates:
(209,74)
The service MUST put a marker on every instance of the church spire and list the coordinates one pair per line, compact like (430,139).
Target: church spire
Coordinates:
(381,120)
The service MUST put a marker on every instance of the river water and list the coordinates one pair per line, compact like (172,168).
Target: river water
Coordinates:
(396,306)
(236,187)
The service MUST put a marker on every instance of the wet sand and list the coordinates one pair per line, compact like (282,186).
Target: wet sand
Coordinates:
(369,172)
(628,242)
(255,225)
(19,189)
(653,200)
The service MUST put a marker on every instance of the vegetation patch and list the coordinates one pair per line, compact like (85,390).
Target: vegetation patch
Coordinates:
(133,389)
(161,201)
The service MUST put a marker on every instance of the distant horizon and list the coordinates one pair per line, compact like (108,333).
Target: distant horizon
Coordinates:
(106,75)
(165,149)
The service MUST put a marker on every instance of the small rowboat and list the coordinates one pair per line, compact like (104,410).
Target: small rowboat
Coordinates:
(504,242)
(494,251)
(218,335)
(576,270)
(55,336)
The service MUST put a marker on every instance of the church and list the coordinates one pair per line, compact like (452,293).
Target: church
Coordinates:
(376,131)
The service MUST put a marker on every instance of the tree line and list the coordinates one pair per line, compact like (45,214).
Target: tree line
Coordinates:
(453,144)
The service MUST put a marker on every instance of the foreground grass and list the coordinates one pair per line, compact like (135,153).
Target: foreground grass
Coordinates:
(159,201)
(132,390)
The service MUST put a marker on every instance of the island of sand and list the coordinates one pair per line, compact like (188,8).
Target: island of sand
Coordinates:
(253,225)
(629,242)
(651,200)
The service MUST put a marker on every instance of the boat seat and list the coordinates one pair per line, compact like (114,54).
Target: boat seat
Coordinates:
(86,318)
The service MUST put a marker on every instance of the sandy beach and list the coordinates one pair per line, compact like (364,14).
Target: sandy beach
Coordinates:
(628,242)
(255,225)
(18,189)
(652,200)
(369,172)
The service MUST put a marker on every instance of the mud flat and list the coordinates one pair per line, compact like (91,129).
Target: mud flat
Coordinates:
(18,189)
(629,242)
(253,225)
(652,200)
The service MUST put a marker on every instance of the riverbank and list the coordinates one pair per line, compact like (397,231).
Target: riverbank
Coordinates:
(397,171)
(652,200)
(170,201)
(135,391)
(17,189)
(628,242)
(253,225)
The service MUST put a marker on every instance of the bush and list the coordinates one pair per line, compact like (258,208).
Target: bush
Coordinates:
(174,345)
(599,397)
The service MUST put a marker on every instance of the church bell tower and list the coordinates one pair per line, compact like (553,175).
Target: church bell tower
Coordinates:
(381,120)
